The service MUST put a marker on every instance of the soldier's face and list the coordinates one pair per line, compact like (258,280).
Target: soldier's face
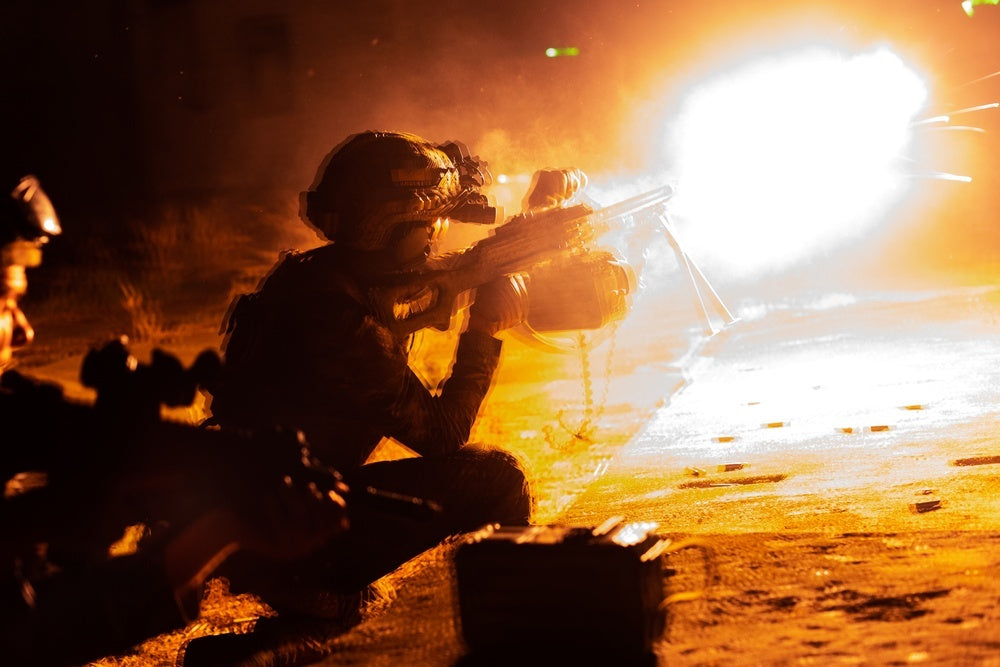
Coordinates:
(15,331)
(416,241)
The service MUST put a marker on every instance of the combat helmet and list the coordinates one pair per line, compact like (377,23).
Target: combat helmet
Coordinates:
(27,220)
(375,181)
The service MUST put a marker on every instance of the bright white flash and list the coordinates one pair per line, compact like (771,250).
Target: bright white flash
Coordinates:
(790,156)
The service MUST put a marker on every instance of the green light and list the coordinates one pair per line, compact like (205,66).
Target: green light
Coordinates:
(553,52)
(969,5)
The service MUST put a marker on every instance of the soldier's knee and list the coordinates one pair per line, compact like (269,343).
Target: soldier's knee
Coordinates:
(513,494)
(503,468)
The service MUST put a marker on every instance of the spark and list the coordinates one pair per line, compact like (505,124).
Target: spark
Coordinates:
(933,175)
(946,117)
(942,176)
(932,120)
(981,107)
(553,52)
(959,128)
(982,78)
(969,5)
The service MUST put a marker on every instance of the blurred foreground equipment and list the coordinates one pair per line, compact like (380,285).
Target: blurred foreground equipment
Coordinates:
(77,476)
(557,586)
(116,463)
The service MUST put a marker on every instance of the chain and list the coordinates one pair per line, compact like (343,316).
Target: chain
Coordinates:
(592,411)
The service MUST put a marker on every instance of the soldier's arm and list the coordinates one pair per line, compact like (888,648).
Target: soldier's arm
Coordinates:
(436,425)
(377,385)
(441,424)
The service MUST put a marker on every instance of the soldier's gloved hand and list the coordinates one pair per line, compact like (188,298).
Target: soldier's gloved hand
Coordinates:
(281,519)
(552,187)
(297,516)
(500,305)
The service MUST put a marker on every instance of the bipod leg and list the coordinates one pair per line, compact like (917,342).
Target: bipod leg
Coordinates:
(698,282)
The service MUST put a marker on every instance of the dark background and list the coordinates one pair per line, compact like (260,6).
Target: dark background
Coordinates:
(124,107)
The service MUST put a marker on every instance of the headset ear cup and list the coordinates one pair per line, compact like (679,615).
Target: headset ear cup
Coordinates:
(318,214)
(307,205)
(330,225)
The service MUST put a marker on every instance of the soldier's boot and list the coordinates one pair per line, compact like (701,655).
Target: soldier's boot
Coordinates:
(290,638)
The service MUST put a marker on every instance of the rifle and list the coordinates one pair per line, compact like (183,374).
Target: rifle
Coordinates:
(571,284)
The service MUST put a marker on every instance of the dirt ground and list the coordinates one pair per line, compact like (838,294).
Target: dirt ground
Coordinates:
(877,545)
(830,459)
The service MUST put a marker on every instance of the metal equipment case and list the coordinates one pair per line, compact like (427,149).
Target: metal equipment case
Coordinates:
(596,587)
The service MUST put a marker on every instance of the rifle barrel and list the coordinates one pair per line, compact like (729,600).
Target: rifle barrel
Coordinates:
(634,204)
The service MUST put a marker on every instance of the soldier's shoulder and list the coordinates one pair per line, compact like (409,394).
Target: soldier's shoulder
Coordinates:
(15,385)
(300,269)
(27,400)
